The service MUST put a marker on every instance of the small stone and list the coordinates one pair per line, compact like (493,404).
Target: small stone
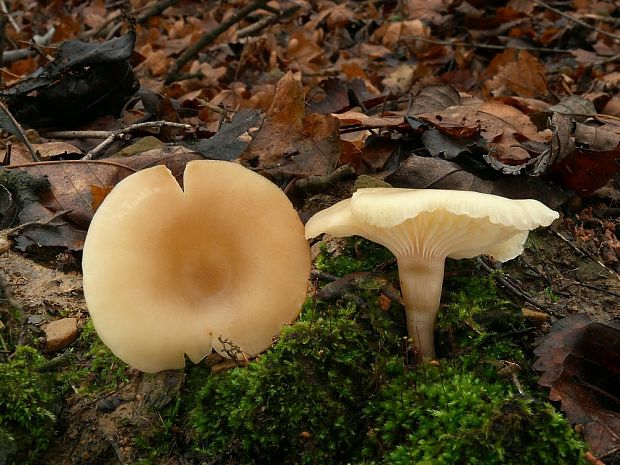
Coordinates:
(60,333)
(36,320)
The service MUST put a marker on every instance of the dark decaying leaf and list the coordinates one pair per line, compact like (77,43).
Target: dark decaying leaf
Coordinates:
(434,98)
(578,108)
(70,186)
(424,172)
(226,143)
(442,145)
(79,53)
(85,80)
(343,95)
(560,147)
(172,157)
(579,360)
(47,230)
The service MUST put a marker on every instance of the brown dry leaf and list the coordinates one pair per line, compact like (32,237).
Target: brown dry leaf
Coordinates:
(70,185)
(503,127)
(516,72)
(434,98)
(418,172)
(157,62)
(579,361)
(291,143)
(399,81)
(48,150)
(304,50)
(356,118)
(392,32)
(612,107)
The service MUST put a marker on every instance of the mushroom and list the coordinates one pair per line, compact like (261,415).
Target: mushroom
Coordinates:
(168,272)
(423,227)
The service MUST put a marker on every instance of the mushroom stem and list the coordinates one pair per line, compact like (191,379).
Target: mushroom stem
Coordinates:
(421,280)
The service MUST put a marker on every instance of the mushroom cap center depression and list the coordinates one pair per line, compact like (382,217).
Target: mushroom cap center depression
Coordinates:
(204,259)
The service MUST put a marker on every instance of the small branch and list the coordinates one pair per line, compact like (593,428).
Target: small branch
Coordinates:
(575,20)
(110,136)
(209,37)
(20,132)
(154,10)
(584,253)
(486,46)
(5,10)
(267,21)
(320,183)
(512,287)
(214,108)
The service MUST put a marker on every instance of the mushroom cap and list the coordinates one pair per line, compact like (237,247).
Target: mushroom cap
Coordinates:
(168,272)
(435,223)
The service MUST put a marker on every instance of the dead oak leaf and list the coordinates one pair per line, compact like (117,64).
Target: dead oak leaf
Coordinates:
(291,143)
(505,128)
(516,72)
(578,361)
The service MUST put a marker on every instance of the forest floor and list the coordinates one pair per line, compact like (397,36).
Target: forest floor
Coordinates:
(515,98)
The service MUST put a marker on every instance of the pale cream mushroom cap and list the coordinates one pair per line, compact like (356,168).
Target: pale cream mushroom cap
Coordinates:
(168,271)
(435,223)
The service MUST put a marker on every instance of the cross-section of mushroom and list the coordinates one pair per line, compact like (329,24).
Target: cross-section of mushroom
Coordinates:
(423,227)
(169,272)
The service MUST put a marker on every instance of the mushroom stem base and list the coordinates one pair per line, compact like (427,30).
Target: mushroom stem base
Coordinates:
(421,280)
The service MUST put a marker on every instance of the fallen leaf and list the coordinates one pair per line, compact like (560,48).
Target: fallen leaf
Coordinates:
(434,98)
(419,172)
(516,72)
(291,143)
(579,362)
(227,143)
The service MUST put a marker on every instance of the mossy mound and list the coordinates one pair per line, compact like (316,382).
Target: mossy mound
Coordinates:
(302,401)
(339,388)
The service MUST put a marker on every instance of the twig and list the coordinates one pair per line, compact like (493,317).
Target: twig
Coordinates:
(318,183)
(486,46)
(512,287)
(20,132)
(584,253)
(209,37)
(5,10)
(594,288)
(575,20)
(56,362)
(267,21)
(154,10)
(591,459)
(110,136)
(214,108)
(46,222)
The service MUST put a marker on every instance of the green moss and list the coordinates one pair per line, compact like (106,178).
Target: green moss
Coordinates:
(29,402)
(448,415)
(358,254)
(300,402)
